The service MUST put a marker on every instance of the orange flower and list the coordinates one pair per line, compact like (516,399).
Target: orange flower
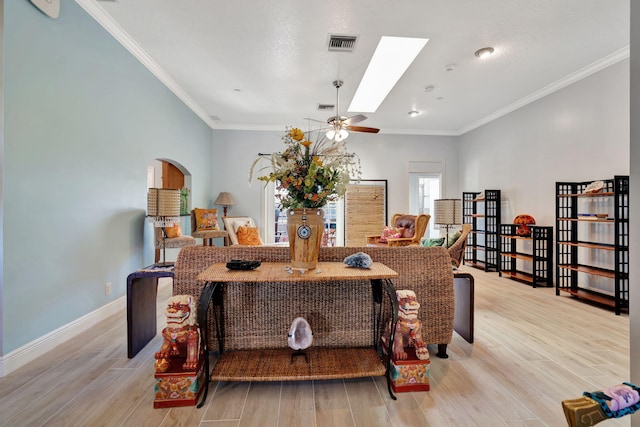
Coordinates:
(296,134)
(311,171)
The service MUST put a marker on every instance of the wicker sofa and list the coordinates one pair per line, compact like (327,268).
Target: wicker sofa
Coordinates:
(258,316)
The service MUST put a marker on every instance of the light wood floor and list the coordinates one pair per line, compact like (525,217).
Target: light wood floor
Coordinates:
(532,350)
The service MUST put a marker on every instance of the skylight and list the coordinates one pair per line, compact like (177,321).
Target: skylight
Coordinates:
(388,63)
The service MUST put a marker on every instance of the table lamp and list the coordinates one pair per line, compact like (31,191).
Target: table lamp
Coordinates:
(225,200)
(447,212)
(163,204)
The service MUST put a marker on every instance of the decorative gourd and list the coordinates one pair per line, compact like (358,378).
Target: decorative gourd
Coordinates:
(524,221)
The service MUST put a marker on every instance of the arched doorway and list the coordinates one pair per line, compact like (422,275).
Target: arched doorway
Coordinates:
(168,173)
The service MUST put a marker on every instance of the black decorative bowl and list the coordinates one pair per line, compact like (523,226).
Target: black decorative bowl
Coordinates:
(240,264)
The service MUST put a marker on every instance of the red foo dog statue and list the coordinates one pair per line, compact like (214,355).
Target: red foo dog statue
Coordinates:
(180,337)
(408,329)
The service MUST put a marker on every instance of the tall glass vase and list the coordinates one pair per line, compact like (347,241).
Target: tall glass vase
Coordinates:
(304,228)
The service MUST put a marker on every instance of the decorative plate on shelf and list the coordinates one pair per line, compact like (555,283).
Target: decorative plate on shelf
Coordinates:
(594,187)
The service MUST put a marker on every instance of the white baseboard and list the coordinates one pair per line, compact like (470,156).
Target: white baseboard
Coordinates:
(38,347)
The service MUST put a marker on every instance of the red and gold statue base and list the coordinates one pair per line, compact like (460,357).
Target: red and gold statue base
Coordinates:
(179,364)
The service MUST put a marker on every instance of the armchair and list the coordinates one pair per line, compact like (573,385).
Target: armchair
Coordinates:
(456,250)
(233,223)
(413,228)
(160,242)
(207,234)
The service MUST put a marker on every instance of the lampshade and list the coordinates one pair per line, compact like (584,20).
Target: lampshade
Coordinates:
(447,211)
(164,205)
(224,199)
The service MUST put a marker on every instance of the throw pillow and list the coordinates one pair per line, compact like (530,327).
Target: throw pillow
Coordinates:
(390,233)
(206,219)
(432,242)
(453,238)
(236,224)
(248,236)
(173,231)
(232,223)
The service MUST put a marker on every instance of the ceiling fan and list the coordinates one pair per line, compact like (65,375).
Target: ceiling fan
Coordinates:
(340,125)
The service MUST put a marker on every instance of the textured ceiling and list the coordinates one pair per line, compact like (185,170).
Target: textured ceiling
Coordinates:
(257,64)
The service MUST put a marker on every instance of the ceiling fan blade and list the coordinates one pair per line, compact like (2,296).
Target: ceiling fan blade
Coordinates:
(362,129)
(355,119)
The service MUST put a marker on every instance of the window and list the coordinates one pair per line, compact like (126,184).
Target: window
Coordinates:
(424,188)
(276,220)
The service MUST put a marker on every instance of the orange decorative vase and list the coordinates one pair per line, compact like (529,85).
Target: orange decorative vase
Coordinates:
(304,228)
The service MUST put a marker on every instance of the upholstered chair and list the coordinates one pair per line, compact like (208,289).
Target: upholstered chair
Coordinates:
(410,229)
(210,231)
(170,242)
(242,231)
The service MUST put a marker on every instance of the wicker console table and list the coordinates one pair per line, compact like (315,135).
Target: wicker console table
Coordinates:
(274,364)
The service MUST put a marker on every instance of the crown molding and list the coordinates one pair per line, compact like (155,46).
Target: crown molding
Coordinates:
(279,128)
(97,13)
(593,68)
(424,132)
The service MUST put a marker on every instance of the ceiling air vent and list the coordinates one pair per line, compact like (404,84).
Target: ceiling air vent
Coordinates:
(326,107)
(342,43)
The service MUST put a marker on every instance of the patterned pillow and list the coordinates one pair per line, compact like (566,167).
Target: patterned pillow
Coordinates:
(453,238)
(248,236)
(432,242)
(390,233)
(206,219)
(173,231)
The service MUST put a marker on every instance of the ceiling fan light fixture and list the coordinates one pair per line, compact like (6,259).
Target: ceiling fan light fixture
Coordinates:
(485,52)
(337,135)
(342,135)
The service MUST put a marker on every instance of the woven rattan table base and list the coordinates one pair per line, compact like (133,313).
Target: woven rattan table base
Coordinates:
(277,365)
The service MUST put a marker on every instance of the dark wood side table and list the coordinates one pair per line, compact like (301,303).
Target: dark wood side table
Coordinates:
(463,286)
(142,290)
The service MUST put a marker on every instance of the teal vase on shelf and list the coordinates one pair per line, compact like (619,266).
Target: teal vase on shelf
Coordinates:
(184,201)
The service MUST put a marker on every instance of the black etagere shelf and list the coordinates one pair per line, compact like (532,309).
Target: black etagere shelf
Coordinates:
(482,211)
(527,259)
(592,243)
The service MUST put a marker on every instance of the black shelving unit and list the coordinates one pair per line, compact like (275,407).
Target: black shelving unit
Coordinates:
(592,243)
(483,213)
(527,259)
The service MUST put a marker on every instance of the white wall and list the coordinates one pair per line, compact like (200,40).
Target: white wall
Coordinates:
(634,208)
(580,133)
(382,157)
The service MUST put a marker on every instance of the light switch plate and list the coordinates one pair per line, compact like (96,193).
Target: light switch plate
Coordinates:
(48,7)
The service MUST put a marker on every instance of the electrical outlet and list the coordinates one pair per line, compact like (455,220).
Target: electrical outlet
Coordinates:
(107,288)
